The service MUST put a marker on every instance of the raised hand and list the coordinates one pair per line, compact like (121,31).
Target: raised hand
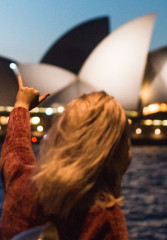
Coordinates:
(28,98)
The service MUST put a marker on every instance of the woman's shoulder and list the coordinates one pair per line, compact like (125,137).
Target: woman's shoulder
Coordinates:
(105,223)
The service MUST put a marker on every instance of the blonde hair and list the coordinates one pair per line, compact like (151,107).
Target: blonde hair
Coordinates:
(74,161)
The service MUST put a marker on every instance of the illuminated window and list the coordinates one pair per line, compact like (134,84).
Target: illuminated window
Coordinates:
(2,108)
(148,122)
(164,122)
(40,128)
(154,108)
(35,120)
(42,110)
(130,121)
(156,122)
(145,110)
(163,107)
(157,131)
(8,108)
(35,110)
(132,113)
(60,109)
(4,120)
(49,111)
(138,131)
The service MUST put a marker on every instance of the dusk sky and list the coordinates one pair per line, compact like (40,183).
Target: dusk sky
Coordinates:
(29,27)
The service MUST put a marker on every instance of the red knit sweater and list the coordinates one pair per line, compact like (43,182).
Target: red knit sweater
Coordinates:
(21,209)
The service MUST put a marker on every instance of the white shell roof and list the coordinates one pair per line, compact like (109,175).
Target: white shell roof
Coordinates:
(45,77)
(156,90)
(117,64)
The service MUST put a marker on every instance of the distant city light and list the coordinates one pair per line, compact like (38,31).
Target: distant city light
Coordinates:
(49,111)
(35,110)
(134,114)
(35,120)
(60,109)
(148,122)
(8,108)
(138,131)
(34,139)
(145,110)
(46,136)
(4,120)
(164,122)
(157,131)
(129,121)
(163,107)
(14,67)
(154,108)
(2,108)
(40,128)
(156,122)
(42,110)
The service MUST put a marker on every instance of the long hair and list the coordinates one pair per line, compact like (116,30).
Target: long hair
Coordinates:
(75,160)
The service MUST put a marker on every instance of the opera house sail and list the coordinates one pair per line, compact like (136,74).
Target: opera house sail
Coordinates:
(117,63)
(72,49)
(8,83)
(154,87)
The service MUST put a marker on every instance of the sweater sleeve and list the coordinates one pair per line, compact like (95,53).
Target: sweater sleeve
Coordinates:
(17,150)
(17,162)
(105,224)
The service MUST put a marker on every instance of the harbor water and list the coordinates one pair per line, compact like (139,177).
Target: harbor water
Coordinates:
(145,193)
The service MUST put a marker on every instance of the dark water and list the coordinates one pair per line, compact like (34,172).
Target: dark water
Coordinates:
(145,192)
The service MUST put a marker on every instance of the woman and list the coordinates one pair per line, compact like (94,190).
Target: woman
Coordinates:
(76,183)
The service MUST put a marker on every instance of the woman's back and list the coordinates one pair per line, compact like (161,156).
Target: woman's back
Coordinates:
(81,169)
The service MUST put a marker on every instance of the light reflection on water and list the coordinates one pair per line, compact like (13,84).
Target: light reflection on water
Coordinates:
(145,191)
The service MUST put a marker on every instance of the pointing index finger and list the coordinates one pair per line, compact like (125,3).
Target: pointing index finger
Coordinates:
(20,80)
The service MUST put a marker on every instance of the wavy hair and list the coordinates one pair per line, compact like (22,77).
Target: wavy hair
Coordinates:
(76,164)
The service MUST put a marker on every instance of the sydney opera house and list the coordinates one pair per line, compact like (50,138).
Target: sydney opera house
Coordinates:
(89,58)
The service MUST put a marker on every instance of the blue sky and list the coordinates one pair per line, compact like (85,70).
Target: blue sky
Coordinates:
(29,27)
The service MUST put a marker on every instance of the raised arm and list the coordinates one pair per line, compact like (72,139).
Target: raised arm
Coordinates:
(17,163)
(17,147)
